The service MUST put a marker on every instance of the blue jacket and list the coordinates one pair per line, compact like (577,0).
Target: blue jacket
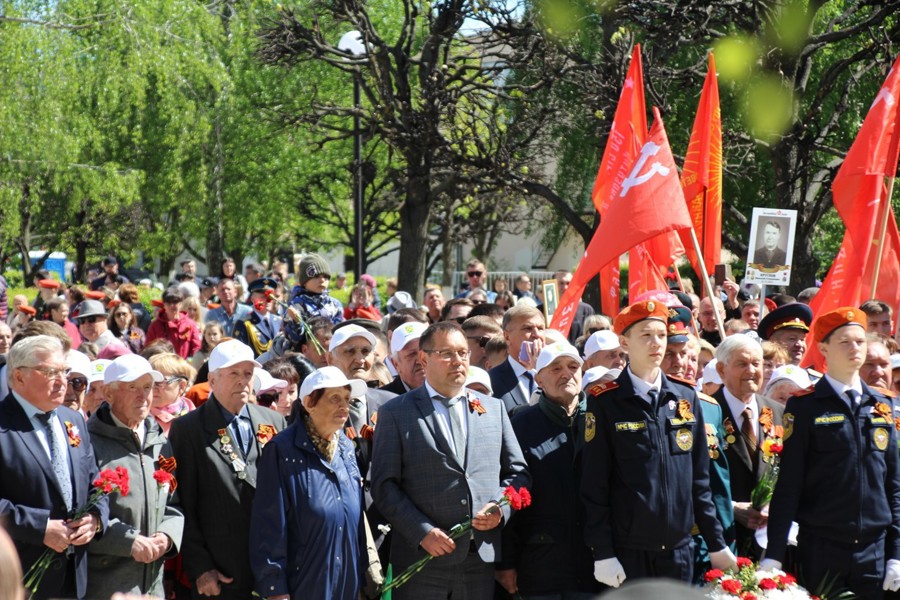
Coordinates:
(643,471)
(840,473)
(306,528)
(312,305)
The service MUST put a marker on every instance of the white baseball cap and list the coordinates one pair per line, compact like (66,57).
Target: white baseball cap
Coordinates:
(331,377)
(345,333)
(479,375)
(789,373)
(710,374)
(78,362)
(600,340)
(599,374)
(405,334)
(895,361)
(553,351)
(129,368)
(263,380)
(230,353)
(98,368)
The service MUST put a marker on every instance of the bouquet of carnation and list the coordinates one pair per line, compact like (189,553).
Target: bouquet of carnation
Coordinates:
(107,482)
(517,500)
(748,583)
(771,454)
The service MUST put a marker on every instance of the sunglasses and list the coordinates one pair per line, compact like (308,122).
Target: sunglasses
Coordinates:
(475,273)
(460,320)
(267,399)
(482,340)
(594,330)
(97,319)
(79,384)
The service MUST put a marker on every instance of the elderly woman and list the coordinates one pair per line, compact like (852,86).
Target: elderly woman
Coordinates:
(58,310)
(144,528)
(123,323)
(169,402)
(307,535)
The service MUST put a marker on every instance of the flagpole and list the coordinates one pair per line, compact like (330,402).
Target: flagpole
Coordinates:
(707,285)
(694,323)
(881,235)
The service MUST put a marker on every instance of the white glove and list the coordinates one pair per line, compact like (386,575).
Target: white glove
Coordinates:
(609,571)
(723,560)
(769,564)
(892,575)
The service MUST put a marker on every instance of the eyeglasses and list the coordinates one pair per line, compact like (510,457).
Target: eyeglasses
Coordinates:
(51,373)
(478,301)
(122,314)
(475,273)
(482,340)
(79,384)
(169,380)
(448,355)
(267,399)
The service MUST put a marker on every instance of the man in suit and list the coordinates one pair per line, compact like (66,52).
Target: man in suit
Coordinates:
(216,448)
(261,327)
(770,255)
(443,455)
(748,419)
(513,379)
(47,468)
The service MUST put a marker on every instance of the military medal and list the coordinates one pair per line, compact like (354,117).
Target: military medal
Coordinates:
(729,431)
(712,441)
(227,449)
(684,438)
(880,437)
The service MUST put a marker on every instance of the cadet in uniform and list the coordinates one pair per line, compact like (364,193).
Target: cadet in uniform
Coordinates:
(261,327)
(840,475)
(675,361)
(787,326)
(646,464)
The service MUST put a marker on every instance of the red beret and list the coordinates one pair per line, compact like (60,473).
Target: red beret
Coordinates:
(48,284)
(95,295)
(640,311)
(28,310)
(158,303)
(828,322)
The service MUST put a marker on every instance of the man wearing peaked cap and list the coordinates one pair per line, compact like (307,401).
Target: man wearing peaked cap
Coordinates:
(263,325)
(551,435)
(787,326)
(217,448)
(840,472)
(636,524)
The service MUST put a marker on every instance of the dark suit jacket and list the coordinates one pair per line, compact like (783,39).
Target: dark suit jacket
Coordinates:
(505,385)
(761,257)
(215,501)
(745,474)
(418,483)
(30,494)
(396,386)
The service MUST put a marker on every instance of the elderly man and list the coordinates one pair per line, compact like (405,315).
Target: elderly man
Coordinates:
(513,379)
(840,472)
(230,311)
(749,420)
(876,371)
(787,326)
(551,435)
(602,349)
(216,448)
(92,324)
(5,338)
(47,468)
(405,356)
(443,455)
(522,287)
(144,527)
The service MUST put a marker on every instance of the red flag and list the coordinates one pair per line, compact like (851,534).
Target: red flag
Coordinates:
(701,177)
(649,262)
(650,203)
(626,136)
(858,191)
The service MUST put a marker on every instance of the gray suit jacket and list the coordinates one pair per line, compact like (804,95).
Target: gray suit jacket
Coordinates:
(418,483)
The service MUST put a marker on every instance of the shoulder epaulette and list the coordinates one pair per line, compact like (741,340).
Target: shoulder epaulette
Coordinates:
(599,388)
(885,391)
(805,392)
(707,398)
(686,382)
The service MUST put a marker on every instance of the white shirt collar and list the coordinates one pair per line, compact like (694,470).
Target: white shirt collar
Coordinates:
(841,388)
(642,387)
(737,407)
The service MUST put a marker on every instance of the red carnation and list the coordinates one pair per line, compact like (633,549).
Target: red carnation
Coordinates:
(768,584)
(713,575)
(787,579)
(525,496)
(162,477)
(776,448)
(109,481)
(748,596)
(743,561)
(732,586)
(513,497)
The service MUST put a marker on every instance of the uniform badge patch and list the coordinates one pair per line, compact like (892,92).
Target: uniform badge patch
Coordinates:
(684,438)
(590,426)
(788,420)
(880,437)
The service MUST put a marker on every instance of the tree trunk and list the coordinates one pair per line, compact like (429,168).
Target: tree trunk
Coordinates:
(414,220)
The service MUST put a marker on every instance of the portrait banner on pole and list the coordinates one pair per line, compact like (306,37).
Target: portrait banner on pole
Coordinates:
(770,249)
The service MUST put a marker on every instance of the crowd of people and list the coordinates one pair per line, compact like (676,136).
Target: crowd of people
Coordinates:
(279,443)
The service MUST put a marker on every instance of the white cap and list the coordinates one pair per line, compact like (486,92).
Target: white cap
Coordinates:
(230,353)
(129,368)
(189,289)
(710,374)
(599,374)
(345,333)
(400,300)
(405,334)
(895,361)
(98,368)
(600,340)
(554,351)
(263,380)
(331,377)
(79,362)
(789,373)
(479,375)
